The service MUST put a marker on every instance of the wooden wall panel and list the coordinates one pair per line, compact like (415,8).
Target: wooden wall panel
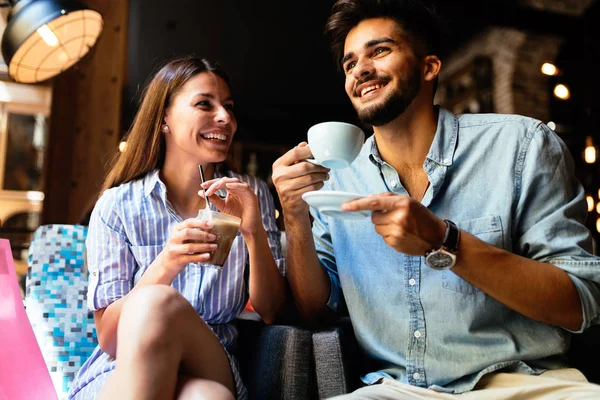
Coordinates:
(85,121)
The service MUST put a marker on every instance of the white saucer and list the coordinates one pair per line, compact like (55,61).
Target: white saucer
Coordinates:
(329,202)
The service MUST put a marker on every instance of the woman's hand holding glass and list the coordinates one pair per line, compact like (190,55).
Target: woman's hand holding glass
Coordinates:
(190,242)
(240,202)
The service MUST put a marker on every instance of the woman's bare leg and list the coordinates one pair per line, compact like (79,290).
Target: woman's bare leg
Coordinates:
(200,389)
(159,336)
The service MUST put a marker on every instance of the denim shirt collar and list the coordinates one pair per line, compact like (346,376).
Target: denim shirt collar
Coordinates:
(444,142)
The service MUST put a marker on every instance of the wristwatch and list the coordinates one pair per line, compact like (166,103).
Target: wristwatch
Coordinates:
(445,257)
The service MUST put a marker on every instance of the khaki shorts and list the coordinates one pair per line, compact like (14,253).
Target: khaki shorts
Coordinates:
(566,383)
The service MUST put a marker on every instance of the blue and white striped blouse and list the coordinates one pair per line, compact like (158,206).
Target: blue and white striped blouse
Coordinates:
(129,227)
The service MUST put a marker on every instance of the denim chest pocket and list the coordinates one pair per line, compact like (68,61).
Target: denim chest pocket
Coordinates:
(487,229)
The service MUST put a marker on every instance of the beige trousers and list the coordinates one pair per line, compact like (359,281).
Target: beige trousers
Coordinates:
(551,385)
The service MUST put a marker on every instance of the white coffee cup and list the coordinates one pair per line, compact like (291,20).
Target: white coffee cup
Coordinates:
(335,144)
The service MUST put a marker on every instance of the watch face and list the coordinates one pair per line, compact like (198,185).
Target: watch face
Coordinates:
(440,260)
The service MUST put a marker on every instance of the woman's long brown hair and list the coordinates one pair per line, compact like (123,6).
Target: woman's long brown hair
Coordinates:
(145,141)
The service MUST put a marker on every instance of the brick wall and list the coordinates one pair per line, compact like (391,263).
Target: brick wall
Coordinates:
(531,92)
(518,86)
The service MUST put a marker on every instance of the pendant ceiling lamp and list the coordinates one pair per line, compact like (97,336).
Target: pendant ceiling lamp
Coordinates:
(45,37)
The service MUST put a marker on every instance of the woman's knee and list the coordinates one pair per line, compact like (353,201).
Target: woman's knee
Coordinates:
(154,301)
(189,388)
(154,311)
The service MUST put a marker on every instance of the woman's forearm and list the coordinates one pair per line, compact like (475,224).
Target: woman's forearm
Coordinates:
(268,289)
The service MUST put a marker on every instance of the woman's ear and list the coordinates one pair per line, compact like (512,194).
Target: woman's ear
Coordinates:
(432,67)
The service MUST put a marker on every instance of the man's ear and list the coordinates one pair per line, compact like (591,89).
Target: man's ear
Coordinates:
(432,66)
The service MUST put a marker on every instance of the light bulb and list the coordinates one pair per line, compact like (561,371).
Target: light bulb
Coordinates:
(589,154)
(48,36)
(562,92)
(590,203)
(549,69)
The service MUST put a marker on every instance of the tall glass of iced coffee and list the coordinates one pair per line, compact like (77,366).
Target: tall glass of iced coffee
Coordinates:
(226,229)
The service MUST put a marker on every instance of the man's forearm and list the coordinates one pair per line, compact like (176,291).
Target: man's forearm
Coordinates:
(309,282)
(535,289)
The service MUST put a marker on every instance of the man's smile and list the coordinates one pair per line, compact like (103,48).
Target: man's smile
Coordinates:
(369,89)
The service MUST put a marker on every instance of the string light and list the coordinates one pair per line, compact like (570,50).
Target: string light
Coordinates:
(549,69)
(590,203)
(598,224)
(562,92)
(589,154)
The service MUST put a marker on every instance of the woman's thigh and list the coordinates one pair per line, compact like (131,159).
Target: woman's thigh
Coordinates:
(160,334)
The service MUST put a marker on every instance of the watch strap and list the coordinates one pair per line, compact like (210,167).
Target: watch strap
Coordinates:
(452,237)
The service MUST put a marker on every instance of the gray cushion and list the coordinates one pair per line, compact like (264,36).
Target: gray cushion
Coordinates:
(336,359)
(282,369)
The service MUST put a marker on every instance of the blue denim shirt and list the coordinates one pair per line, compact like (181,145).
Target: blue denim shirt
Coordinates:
(508,180)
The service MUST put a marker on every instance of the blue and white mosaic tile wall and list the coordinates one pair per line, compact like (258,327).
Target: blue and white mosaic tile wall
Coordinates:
(56,301)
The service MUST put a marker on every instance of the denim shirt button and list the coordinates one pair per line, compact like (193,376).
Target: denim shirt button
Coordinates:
(417,334)
(412,282)
(416,376)
(394,184)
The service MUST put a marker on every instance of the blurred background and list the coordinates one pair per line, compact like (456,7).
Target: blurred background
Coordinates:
(532,57)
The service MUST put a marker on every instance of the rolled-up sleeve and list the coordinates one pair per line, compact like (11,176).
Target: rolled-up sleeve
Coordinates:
(110,262)
(324,248)
(551,212)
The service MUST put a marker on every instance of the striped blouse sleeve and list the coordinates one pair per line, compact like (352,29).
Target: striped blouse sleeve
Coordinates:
(110,262)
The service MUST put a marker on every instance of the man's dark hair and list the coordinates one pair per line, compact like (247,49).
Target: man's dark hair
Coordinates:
(420,23)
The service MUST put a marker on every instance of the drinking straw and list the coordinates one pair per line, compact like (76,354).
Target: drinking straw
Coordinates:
(204,190)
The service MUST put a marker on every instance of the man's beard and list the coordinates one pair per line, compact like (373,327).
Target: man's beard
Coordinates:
(393,105)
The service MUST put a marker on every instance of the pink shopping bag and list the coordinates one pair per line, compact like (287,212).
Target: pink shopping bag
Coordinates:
(23,372)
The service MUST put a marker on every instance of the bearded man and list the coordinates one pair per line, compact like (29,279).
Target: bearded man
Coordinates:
(475,266)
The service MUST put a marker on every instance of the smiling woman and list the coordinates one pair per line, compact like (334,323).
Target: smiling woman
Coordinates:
(146,245)
(199,123)
(176,88)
